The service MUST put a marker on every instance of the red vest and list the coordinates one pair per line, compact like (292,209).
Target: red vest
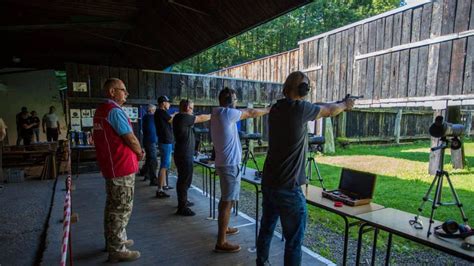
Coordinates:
(115,158)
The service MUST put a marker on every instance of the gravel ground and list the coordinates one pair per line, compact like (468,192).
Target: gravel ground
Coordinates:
(23,215)
(329,242)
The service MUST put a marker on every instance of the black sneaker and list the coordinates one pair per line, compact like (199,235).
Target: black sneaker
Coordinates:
(167,187)
(162,195)
(188,204)
(185,212)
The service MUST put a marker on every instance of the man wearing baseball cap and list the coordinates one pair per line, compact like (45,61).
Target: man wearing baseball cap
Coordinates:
(164,131)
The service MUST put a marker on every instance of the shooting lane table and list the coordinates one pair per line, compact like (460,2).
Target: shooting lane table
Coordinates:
(250,178)
(314,197)
(396,222)
(209,174)
(79,149)
(49,157)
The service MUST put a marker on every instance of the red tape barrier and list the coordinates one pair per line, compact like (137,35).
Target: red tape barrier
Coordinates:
(66,223)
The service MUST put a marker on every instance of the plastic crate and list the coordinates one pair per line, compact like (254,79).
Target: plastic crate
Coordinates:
(14,175)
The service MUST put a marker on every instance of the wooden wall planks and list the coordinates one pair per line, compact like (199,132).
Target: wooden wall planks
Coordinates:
(434,69)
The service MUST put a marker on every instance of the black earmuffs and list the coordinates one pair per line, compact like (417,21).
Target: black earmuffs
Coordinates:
(303,89)
(451,229)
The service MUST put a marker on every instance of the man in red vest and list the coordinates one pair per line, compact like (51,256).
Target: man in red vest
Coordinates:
(118,151)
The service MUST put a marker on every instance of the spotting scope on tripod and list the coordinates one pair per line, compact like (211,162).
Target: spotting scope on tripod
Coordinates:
(315,145)
(247,153)
(449,135)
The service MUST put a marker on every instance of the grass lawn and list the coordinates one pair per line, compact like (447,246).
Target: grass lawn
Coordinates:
(402,181)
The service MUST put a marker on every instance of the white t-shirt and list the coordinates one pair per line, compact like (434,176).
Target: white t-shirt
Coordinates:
(51,120)
(225,136)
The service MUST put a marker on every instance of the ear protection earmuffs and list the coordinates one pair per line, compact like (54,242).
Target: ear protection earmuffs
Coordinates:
(229,100)
(303,89)
(451,229)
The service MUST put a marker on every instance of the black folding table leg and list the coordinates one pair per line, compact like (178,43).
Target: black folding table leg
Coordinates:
(374,247)
(389,249)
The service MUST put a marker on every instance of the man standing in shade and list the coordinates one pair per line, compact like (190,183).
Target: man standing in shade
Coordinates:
(149,141)
(284,168)
(18,125)
(118,151)
(51,125)
(183,125)
(228,150)
(164,130)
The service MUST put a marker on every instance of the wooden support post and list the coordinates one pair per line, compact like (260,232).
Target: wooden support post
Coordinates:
(398,120)
(457,156)
(468,125)
(329,146)
(435,156)
(318,127)
(249,127)
(342,124)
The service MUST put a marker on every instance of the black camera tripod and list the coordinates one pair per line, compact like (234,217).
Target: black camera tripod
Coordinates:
(310,164)
(248,154)
(438,180)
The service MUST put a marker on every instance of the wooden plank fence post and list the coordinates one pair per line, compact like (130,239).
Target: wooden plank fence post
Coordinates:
(249,128)
(398,120)
(468,125)
(329,146)
(435,156)
(457,156)
(342,123)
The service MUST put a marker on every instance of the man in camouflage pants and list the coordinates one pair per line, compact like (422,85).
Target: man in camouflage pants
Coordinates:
(118,151)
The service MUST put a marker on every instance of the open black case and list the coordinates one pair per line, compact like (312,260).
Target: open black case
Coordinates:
(355,188)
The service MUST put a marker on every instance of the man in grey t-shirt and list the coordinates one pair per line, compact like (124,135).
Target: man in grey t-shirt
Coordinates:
(226,142)
(283,172)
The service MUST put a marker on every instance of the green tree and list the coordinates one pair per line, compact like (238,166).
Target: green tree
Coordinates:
(283,33)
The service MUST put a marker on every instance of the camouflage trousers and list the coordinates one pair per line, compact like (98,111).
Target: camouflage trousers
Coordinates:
(118,208)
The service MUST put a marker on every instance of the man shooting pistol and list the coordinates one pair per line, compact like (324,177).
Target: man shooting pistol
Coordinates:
(284,168)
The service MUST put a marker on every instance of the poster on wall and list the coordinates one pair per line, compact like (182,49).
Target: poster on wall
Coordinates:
(85,113)
(87,122)
(79,86)
(92,112)
(76,124)
(75,113)
(132,113)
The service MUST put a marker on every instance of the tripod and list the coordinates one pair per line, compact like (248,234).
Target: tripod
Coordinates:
(438,180)
(310,164)
(248,154)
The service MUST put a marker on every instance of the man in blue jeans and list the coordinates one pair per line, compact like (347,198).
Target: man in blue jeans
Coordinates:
(284,168)
(149,141)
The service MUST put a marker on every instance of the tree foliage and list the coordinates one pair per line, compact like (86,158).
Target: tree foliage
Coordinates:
(283,33)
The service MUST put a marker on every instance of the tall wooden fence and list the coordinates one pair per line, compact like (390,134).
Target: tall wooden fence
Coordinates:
(414,54)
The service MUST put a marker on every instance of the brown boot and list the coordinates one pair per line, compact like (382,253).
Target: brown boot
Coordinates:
(129,242)
(127,255)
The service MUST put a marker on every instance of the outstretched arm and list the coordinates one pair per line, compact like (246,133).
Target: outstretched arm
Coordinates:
(253,112)
(333,109)
(202,118)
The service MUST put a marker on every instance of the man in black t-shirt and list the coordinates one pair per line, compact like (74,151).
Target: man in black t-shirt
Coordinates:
(183,124)
(35,119)
(284,169)
(18,126)
(164,131)
(26,128)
